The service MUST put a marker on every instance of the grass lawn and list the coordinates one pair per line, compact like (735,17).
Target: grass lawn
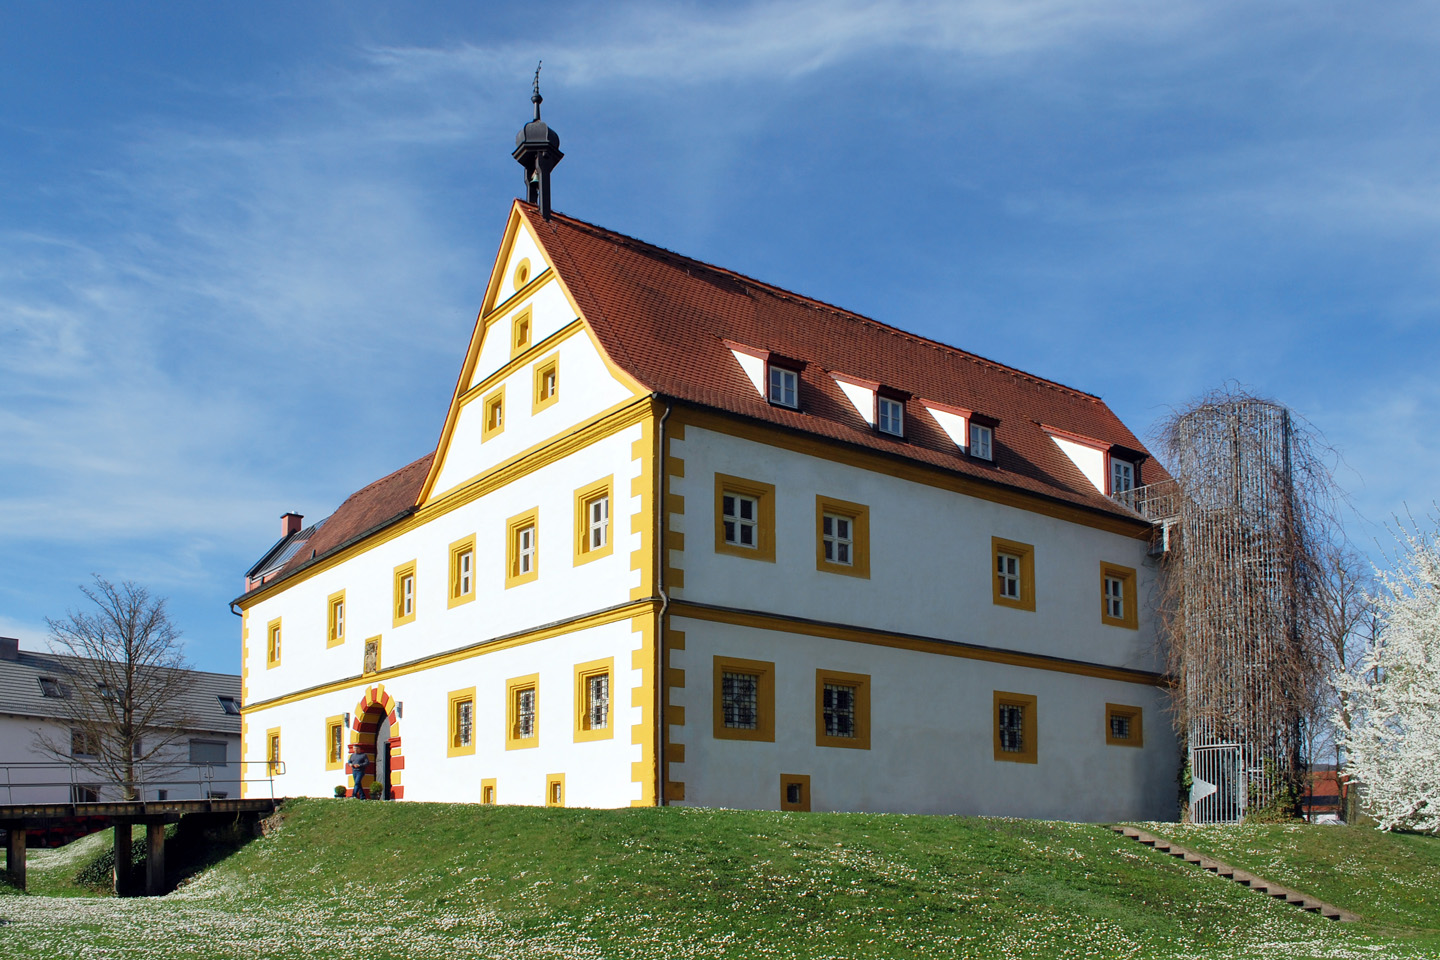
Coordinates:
(1391,879)
(420,880)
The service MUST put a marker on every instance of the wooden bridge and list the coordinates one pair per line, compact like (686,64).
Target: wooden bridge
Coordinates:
(19,818)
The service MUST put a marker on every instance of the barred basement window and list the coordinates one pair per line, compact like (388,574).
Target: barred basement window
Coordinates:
(1119,726)
(741,514)
(464,722)
(839,710)
(1015,738)
(740,700)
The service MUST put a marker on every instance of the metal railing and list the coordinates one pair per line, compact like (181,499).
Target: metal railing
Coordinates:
(86,781)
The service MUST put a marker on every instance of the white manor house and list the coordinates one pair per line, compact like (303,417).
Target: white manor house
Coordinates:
(687,538)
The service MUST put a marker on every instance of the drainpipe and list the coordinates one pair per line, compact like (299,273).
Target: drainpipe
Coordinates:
(661,532)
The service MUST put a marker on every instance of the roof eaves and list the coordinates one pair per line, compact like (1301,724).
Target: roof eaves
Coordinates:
(305,565)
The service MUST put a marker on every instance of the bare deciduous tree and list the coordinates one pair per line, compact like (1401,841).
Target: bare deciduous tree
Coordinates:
(124,684)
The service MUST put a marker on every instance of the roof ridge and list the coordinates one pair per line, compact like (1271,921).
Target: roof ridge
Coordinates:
(814,303)
(375,483)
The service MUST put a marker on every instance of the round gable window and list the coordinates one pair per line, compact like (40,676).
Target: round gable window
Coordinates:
(522,273)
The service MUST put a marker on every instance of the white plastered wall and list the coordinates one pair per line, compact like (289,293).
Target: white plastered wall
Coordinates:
(931,735)
(585,388)
(597,772)
(930,558)
(1088,460)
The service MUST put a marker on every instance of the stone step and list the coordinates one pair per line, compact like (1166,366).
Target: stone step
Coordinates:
(1258,884)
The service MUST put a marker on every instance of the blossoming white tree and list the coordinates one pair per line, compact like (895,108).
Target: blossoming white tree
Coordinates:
(1391,735)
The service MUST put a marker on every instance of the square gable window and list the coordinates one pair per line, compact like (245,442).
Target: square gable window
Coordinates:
(784,386)
(890,416)
(982,441)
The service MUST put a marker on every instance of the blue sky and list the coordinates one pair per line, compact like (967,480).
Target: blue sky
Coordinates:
(242,247)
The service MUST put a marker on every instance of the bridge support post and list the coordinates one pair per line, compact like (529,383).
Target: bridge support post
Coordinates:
(122,858)
(154,859)
(15,857)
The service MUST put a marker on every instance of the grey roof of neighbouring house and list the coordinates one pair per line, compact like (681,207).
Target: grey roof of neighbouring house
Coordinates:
(21,695)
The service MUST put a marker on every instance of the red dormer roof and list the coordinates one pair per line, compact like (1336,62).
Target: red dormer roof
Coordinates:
(666,318)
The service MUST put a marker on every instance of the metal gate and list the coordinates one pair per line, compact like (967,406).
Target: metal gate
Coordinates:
(1217,783)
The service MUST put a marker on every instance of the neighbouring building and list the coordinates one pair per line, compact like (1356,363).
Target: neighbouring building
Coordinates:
(689,538)
(203,760)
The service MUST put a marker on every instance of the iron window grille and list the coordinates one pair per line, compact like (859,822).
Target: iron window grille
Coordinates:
(598,697)
(839,708)
(1119,726)
(464,723)
(1012,728)
(740,700)
(525,714)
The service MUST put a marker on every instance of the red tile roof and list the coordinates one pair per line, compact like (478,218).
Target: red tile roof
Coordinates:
(664,319)
(368,509)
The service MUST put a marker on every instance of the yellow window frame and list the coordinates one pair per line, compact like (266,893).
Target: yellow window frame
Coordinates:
(522,331)
(489,792)
(799,779)
(513,527)
(521,276)
(513,687)
(458,549)
(583,673)
(337,760)
(397,604)
(273,640)
(1137,730)
(543,370)
(1026,553)
(273,758)
(552,781)
(764,699)
(493,425)
(335,626)
(453,747)
(364,670)
(859,516)
(1029,752)
(861,683)
(764,494)
(1126,575)
(583,498)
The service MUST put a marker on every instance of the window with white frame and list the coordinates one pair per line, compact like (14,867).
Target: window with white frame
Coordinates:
(890,416)
(981,442)
(1115,598)
(838,535)
(784,386)
(466,572)
(740,700)
(525,550)
(1007,573)
(740,514)
(1122,476)
(337,619)
(597,515)
(407,595)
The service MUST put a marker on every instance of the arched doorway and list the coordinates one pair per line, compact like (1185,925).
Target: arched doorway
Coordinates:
(375,731)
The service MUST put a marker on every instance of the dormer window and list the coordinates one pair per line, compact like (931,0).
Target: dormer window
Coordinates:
(890,416)
(981,441)
(1122,477)
(51,688)
(784,386)
(231,706)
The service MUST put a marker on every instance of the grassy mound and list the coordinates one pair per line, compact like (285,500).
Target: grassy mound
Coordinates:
(1391,879)
(422,880)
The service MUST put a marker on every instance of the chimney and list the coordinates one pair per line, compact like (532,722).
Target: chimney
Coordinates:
(290,523)
(9,648)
